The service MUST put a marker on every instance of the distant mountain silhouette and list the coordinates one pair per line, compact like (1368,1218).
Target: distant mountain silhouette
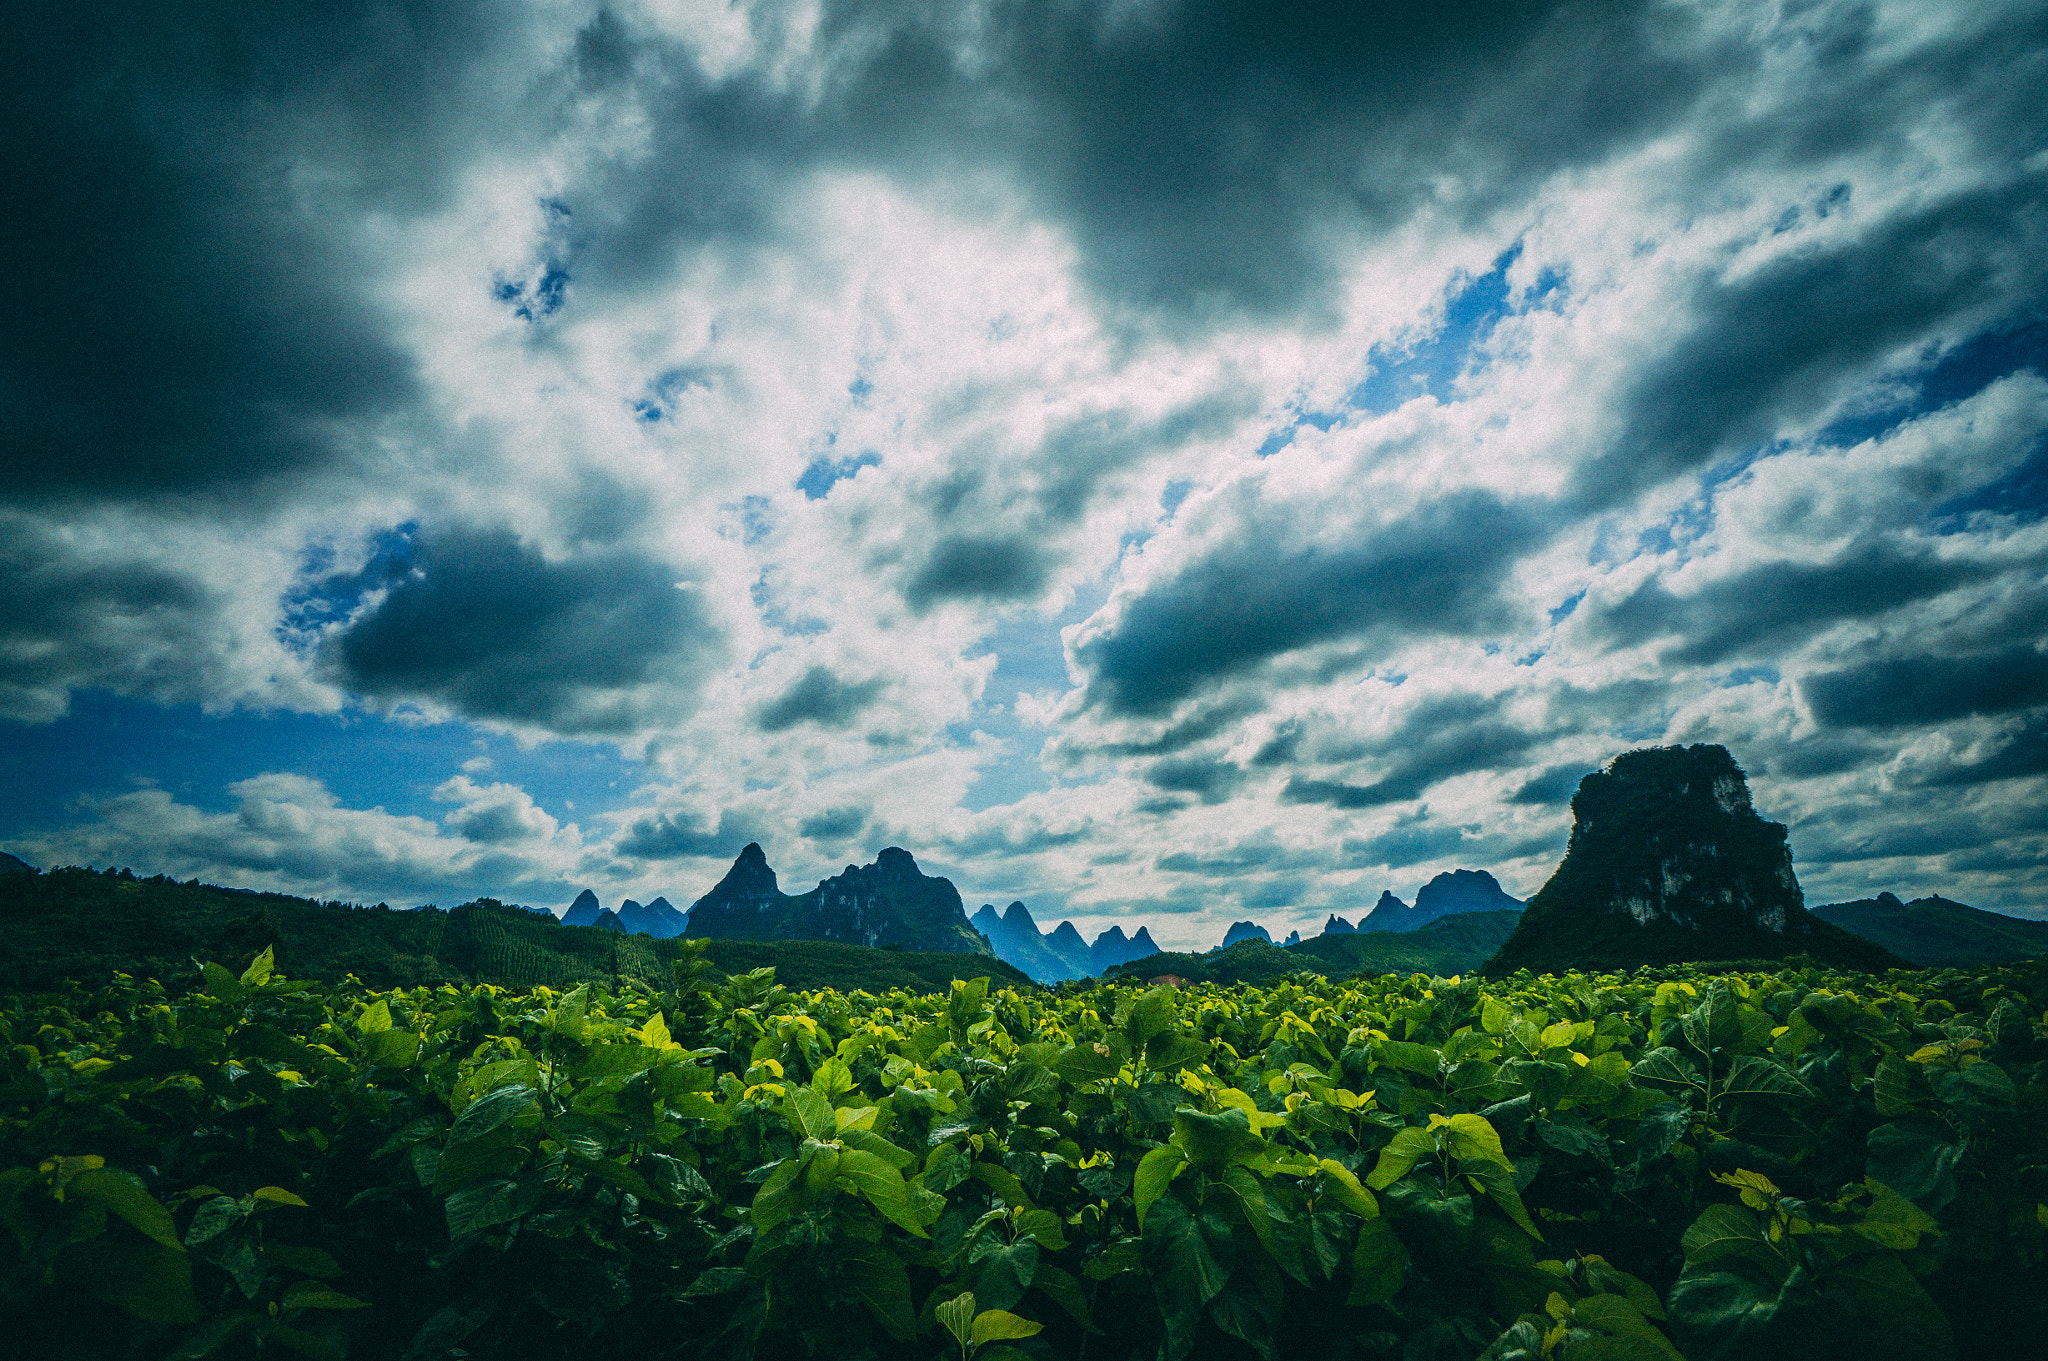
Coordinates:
(1244,931)
(1337,926)
(584,911)
(1669,862)
(890,903)
(1449,893)
(1937,932)
(1060,954)
(659,919)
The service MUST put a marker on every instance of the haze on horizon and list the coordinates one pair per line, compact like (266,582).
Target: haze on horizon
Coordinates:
(1166,463)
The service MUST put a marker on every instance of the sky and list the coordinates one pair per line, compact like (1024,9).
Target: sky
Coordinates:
(1169,463)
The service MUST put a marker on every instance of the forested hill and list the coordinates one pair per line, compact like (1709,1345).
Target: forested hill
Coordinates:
(85,924)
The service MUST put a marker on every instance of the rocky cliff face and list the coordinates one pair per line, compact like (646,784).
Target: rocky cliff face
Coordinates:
(1668,862)
(890,902)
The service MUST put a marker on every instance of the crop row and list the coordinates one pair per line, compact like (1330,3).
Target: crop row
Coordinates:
(1665,1164)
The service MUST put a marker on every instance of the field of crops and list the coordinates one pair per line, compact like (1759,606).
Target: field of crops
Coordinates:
(1644,1166)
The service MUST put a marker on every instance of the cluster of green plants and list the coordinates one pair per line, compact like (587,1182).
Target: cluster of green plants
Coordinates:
(1668,1163)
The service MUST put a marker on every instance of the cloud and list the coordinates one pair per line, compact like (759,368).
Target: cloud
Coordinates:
(818,697)
(1927,690)
(1438,739)
(970,568)
(1437,570)
(598,643)
(669,836)
(288,833)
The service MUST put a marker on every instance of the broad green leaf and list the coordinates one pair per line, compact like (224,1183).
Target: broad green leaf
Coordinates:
(1062,1289)
(1155,1170)
(655,1033)
(1720,1232)
(674,1180)
(1665,1066)
(1379,1263)
(998,1325)
(832,1079)
(867,1141)
(259,970)
(392,1048)
(1473,1136)
(1727,1315)
(956,1316)
(1400,1154)
(315,1295)
(1086,1063)
(276,1195)
(1003,1182)
(1885,1311)
(1714,1023)
(497,1201)
(1215,1141)
(778,1197)
(1892,1220)
(491,1110)
(1408,1057)
(1899,1086)
(1147,1015)
(1180,1253)
(1044,1226)
(879,1278)
(810,1113)
(213,1219)
(1754,1076)
(1168,1051)
(375,1019)
(1917,1156)
(1344,1188)
(882,1185)
(1497,1180)
(220,983)
(123,1194)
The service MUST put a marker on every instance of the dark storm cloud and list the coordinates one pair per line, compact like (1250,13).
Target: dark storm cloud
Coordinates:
(1214,781)
(1775,605)
(483,622)
(1250,858)
(1777,345)
(127,625)
(667,836)
(183,320)
(1408,844)
(1555,785)
(818,697)
(1438,571)
(971,567)
(1198,155)
(834,824)
(1453,735)
(1922,690)
(2025,752)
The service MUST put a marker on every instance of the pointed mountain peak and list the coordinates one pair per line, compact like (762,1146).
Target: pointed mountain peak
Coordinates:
(661,905)
(1018,917)
(1113,936)
(1890,901)
(1144,938)
(1065,934)
(1337,926)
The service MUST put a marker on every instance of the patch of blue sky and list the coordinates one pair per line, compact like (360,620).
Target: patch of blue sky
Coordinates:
(824,473)
(109,744)
(1560,613)
(664,389)
(1431,366)
(1030,659)
(1750,675)
(1947,377)
(325,596)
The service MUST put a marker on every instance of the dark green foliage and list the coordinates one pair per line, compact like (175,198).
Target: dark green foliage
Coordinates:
(1791,1166)
(1668,862)
(77,923)
(1446,947)
(1938,933)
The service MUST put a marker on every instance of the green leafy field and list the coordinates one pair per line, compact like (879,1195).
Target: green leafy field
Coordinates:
(1668,1163)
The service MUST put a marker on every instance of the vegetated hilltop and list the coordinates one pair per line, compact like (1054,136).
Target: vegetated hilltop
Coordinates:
(85,924)
(1445,948)
(890,902)
(1937,932)
(1668,862)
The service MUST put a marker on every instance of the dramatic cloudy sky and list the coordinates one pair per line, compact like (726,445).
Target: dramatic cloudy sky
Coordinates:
(1168,462)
